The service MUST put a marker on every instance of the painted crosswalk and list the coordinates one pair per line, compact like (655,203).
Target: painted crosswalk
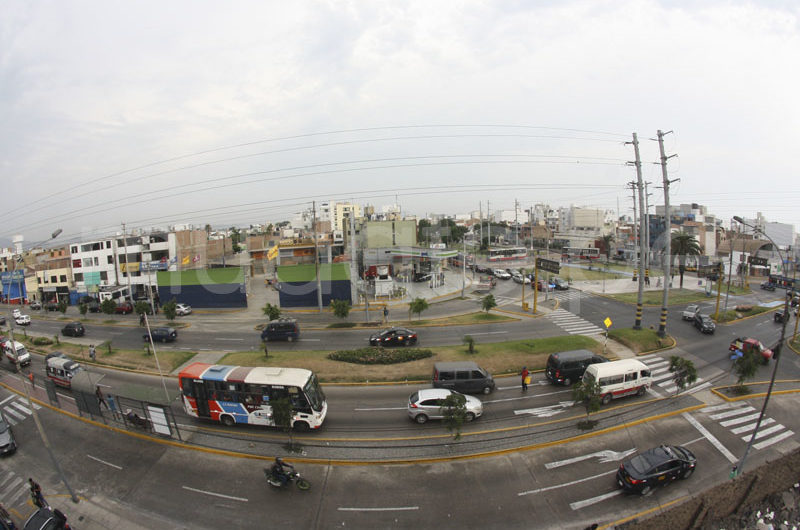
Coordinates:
(664,379)
(741,419)
(13,489)
(16,410)
(573,324)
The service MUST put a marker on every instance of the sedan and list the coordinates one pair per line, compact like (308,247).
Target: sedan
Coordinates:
(655,467)
(500,273)
(23,320)
(394,337)
(7,442)
(36,305)
(74,329)
(426,404)
(162,335)
(183,309)
(768,286)
(2,320)
(704,323)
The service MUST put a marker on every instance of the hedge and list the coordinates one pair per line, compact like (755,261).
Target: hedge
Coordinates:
(372,355)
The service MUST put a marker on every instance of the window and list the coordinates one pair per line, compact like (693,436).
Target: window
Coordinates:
(103,275)
(76,264)
(87,262)
(63,278)
(645,373)
(110,260)
(462,374)
(96,261)
(73,249)
(53,279)
(477,375)
(631,376)
(108,244)
(78,276)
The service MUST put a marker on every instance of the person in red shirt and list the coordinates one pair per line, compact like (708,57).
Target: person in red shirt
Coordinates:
(525,374)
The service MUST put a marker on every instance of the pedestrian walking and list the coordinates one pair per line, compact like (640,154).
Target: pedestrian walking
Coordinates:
(30,376)
(100,401)
(266,350)
(36,493)
(385,314)
(526,378)
(92,352)
(141,319)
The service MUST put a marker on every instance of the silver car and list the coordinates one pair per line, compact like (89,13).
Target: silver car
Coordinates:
(426,404)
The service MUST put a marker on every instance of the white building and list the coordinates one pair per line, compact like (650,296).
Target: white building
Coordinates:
(93,265)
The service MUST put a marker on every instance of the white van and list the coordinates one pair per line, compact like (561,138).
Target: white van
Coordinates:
(619,378)
(17,354)
(61,370)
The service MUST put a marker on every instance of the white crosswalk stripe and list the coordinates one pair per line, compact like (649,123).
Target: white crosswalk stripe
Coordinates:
(17,411)
(573,324)
(13,489)
(662,377)
(741,419)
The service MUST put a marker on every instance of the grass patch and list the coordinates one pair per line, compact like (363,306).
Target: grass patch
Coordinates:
(638,340)
(676,297)
(373,355)
(497,358)
(741,312)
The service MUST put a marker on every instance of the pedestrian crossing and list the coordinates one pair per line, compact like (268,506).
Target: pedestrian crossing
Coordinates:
(13,489)
(741,418)
(663,378)
(16,409)
(573,324)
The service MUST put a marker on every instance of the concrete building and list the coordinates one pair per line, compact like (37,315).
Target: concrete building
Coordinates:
(93,265)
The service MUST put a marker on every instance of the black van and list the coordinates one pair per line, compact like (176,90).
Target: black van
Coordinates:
(463,376)
(566,367)
(281,329)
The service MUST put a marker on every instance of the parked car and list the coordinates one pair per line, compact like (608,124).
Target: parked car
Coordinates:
(393,337)
(7,442)
(124,308)
(47,518)
(23,320)
(519,278)
(93,306)
(51,306)
(281,329)
(426,404)
(183,309)
(15,313)
(35,305)
(567,367)
(500,273)
(162,335)
(462,376)
(704,323)
(542,285)
(74,329)
(768,286)
(560,284)
(690,312)
(2,320)
(655,467)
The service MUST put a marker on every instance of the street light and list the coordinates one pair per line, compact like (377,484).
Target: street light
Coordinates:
(777,354)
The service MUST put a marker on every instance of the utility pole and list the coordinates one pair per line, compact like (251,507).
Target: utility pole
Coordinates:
(640,187)
(516,221)
(480,223)
(646,230)
(316,256)
(635,221)
(127,269)
(662,325)
(488,226)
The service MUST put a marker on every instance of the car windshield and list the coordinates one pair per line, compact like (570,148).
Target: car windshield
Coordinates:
(314,393)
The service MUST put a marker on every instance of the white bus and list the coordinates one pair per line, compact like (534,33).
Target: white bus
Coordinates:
(580,253)
(507,253)
(619,378)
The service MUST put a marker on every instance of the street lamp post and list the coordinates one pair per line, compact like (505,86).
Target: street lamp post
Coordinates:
(777,355)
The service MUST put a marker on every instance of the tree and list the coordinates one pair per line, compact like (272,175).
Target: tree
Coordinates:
(236,238)
(607,240)
(272,312)
(469,342)
(141,307)
(454,413)
(488,302)
(745,368)
(83,308)
(423,230)
(62,306)
(418,305)
(683,245)
(170,309)
(683,372)
(341,308)
(282,416)
(588,393)
(108,306)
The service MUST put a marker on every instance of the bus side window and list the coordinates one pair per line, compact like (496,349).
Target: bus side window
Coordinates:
(645,373)
(188,387)
(631,376)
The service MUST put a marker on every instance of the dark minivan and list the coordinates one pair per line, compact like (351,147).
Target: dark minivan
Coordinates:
(462,376)
(281,329)
(566,367)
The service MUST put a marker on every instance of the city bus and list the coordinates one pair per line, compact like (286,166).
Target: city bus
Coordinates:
(568,253)
(242,394)
(507,253)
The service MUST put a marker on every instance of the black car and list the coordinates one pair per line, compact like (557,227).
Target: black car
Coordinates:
(74,329)
(781,316)
(162,335)
(422,277)
(704,323)
(393,337)
(768,286)
(2,320)
(7,442)
(47,518)
(655,467)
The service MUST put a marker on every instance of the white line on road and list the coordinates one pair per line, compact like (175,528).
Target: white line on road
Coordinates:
(734,412)
(381,408)
(724,406)
(604,456)
(21,407)
(763,432)
(776,439)
(525,396)
(242,499)
(737,421)
(12,396)
(594,500)
(750,426)
(14,413)
(219,338)
(548,488)
(104,462)
(310,340)
(710,437)
(387,509)
(490,333)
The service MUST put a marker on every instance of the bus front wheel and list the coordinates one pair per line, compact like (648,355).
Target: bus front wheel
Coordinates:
(227,420)
(606,399)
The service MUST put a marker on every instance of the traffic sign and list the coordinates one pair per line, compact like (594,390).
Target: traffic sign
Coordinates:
(758,262)
(548,265)
(607,322)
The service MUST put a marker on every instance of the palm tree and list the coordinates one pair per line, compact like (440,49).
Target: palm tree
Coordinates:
(683,245)
(607,240)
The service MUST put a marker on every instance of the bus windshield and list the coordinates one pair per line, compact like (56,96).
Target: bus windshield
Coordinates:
(314,393)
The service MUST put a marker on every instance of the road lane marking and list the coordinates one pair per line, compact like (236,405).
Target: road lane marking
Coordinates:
(220,495)
(594,500)
(490,333)
(547,411)
(711,438)
(220,338)
(557,486)
(19,406)
(737,421)
(776,439)
(310,340)
(734,412)
(525,397)
(605,457)
(724,406)
(12,396)
(750,426)
(104,462)
(763,432)
(381,408)
(387,509)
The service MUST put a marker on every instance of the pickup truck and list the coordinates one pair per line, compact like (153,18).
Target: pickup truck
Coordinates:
(747,345)
(690,312)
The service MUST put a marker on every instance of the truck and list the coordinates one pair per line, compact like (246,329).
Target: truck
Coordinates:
(750,346)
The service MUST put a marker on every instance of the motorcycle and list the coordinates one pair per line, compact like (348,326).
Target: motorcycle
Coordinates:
(290,475)
(137,420)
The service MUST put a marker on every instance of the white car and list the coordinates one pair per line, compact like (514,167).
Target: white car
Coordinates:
(22,320)
(183,309)
(500,273)
(16,313)
(426,404)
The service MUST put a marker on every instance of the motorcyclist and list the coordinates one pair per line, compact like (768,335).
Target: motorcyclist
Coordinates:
(280,470)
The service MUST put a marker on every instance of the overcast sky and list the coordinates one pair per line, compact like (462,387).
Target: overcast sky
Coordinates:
(162,113)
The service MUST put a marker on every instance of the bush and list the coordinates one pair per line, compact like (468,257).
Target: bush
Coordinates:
(41,341)
(372,355)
